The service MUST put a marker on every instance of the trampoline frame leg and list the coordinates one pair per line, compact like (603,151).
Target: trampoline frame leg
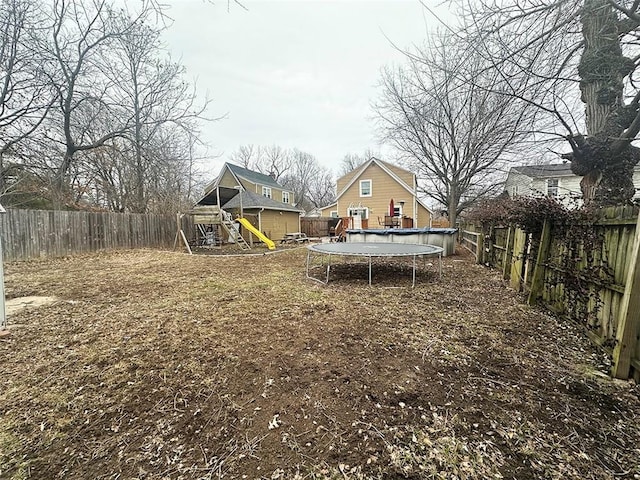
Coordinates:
(413,279)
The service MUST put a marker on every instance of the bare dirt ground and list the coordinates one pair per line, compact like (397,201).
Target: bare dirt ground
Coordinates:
(159,365)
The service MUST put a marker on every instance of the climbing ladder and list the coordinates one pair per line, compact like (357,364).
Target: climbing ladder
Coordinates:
(234,232)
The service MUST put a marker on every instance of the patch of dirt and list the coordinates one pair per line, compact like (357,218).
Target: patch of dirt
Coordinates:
(15,305)
(160,365)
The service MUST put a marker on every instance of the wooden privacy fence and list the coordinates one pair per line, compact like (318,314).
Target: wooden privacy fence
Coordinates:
(41,233)
(596,283)
(317,226)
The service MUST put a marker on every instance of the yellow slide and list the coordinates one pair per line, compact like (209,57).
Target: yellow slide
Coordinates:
(269,243)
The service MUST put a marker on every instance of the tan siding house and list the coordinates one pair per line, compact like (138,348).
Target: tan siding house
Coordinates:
(233,175)
(263,201)
(367,191)
(275,224)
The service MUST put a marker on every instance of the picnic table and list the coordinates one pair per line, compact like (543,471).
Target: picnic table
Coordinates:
(295,237)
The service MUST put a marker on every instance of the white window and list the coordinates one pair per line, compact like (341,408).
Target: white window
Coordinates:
(362,212)
(552,187)
(333,213)
(514,191)
(365,188)
(397,211)
(266,191)
(285,197)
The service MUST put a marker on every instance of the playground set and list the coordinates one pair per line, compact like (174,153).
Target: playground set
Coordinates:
(215,226)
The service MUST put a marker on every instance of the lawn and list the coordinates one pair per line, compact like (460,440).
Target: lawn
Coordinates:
(155,364)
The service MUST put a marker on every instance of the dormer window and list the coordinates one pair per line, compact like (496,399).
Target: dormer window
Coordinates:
(365,188)
(285,197)
(552,187)
(266,191)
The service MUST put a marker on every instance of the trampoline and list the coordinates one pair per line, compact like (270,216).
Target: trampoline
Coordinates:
(371,250)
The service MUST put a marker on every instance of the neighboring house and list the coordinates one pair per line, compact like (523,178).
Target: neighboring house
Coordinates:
(366,193)
(553,180)
(264,202)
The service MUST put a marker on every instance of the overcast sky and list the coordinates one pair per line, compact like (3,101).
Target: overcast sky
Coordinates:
(297,73)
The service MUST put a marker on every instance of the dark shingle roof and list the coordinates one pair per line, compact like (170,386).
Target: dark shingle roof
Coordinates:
(253,200)
(253,177)
(544,170)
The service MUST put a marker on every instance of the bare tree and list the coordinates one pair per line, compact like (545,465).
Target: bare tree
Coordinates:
(247,156)
(25,93)
(577,49)
(159,102)
(312,184)
(272,160)
(92,105)
(83,36)
(456,134)
(276,161)
(322,190)
(351,161)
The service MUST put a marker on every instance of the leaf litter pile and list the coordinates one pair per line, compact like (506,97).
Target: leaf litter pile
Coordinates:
(160,365)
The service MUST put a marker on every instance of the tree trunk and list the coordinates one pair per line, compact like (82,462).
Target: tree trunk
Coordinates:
(61,183)
(608,173)
(452,208)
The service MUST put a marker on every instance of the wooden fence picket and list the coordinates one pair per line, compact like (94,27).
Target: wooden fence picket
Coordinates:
(30,234)
(628,314)
(537,282)
(610,312)
(518,254)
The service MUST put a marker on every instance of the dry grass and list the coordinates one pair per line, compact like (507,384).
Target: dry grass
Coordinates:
(160,365)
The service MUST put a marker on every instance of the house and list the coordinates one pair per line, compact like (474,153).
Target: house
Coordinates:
(554,180)
(367,192)
(267,205)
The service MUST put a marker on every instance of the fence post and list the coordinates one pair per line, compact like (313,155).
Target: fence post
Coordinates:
(629,314)
(519,245)
(508,253)
(480,246)
(491,258)
(537,283)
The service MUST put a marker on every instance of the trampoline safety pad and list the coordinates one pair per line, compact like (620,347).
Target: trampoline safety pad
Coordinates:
(371,250)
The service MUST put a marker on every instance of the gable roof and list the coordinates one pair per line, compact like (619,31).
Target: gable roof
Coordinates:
(208,198)
(539,171)
(254,200)
(252,176)
(334,204)
(384,166)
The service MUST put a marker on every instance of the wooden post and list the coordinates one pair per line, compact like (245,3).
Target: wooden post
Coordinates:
(175,240)
(480,246)
(508,254)
(490,250)
(628,315)
(186,244)
(180,233)
(537,283)
(519,243)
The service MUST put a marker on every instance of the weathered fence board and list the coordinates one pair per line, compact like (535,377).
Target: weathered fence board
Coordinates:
(41,233)
(317,226)
(518,260)
(472,241)
(606,275)
(629,314)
